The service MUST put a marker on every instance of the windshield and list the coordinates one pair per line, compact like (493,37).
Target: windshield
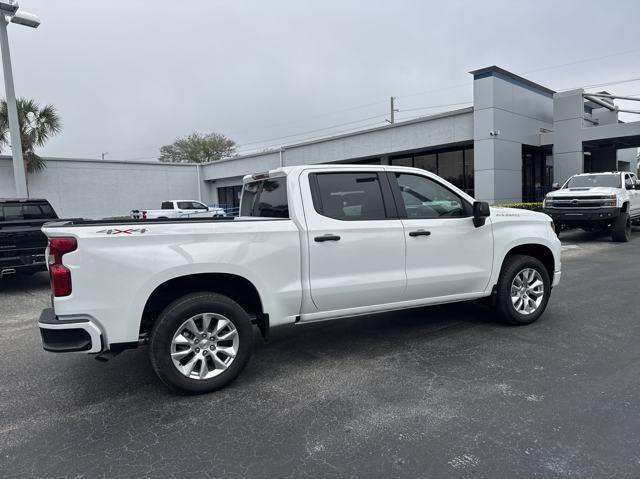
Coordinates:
(592,181)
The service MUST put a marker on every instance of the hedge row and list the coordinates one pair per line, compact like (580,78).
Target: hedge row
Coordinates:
(523,206)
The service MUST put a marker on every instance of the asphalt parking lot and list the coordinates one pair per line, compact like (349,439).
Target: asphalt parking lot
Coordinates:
(435,392)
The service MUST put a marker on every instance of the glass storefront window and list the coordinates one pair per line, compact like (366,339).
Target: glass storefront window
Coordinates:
(404,161)
(468,172)
(537,173)
(451,167)
(229,198)
(427,162)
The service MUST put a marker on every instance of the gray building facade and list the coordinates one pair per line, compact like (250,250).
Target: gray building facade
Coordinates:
(516,140)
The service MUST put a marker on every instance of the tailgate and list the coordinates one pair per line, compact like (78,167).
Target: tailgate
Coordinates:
(22,243)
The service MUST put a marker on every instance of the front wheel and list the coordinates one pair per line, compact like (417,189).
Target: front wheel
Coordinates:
(201,342)
(524,289)
(621,230)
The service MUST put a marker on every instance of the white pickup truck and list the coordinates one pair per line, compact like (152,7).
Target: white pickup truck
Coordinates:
(608,201)
(312,243)
(179,209)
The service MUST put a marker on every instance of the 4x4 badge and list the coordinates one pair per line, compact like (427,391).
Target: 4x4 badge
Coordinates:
(128,231)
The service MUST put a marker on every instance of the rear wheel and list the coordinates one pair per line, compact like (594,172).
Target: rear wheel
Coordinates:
(201,342)
(621,230)
(523,290)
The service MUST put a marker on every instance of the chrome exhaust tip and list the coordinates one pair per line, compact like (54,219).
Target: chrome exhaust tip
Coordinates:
(7,272)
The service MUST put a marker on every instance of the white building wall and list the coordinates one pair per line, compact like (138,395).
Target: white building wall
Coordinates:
(98,189)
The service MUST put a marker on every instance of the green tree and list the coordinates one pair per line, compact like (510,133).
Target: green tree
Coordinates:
(198,148)
(37,125)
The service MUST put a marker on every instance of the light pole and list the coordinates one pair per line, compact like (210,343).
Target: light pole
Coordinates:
(9,13)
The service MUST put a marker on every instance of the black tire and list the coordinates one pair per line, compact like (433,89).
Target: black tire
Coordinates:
(173,318)
(512,266)
(621,230)
(558,228)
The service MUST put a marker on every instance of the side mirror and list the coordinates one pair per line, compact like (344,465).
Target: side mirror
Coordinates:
(555,186)
(481,211)
(629,185)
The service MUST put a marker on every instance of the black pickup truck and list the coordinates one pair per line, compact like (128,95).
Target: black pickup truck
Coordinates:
(22,244)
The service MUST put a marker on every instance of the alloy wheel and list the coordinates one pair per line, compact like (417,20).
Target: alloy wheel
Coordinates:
(204,346)
(527,291)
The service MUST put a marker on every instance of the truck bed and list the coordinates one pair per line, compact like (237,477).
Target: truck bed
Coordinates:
(129,221)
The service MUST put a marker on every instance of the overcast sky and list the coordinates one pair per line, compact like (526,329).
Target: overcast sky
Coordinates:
(130,76)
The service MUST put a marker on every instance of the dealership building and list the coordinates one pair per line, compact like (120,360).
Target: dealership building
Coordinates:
(516,140)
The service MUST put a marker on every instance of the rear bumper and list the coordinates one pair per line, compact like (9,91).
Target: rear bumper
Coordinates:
(78,335)
(582,215)
(22,262)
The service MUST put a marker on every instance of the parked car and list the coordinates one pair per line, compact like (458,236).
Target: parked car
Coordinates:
(597,202)
(229,210)
(312,243)
(179,209)
(22,243)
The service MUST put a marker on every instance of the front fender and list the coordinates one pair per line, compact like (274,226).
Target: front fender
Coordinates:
(511,234)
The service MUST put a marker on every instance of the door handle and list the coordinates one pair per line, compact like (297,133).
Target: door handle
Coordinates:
(329,237)
(420,233)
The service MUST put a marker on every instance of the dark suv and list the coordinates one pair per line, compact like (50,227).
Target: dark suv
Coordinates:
(22,244)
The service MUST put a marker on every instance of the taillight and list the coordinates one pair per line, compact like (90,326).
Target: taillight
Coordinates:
(59,274)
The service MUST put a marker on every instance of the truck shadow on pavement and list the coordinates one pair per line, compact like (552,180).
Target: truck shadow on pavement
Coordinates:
(291,349)
(305,349)
(19,282)
(578,236)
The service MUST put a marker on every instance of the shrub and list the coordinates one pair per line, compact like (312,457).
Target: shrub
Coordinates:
(523,206)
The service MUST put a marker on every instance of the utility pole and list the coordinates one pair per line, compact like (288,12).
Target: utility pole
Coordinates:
(19,174)
(393,110)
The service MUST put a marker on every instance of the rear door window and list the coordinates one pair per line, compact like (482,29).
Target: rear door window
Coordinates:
(266,198)
(349,196)
(47,211)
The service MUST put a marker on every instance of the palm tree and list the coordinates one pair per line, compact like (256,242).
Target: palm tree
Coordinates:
(37,125)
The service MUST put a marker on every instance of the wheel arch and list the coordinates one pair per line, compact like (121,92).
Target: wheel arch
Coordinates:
(535,250)
(236,287)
